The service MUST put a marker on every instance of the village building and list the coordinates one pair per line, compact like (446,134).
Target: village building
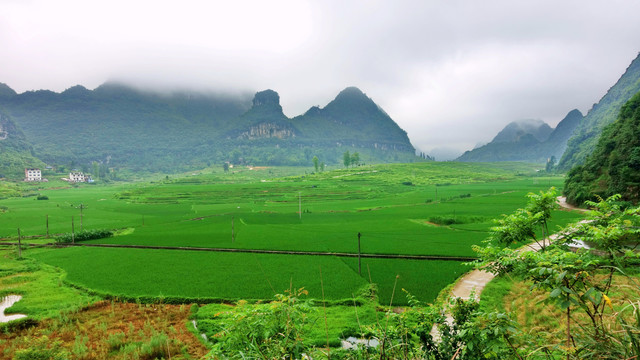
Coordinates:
(76,176)
(32,175)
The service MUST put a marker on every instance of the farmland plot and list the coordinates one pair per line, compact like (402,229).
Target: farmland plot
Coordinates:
(412,209)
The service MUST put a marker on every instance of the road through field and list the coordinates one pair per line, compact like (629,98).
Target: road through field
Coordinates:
(475,281)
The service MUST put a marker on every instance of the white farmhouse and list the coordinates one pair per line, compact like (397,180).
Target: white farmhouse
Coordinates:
(32,175)
(76,177)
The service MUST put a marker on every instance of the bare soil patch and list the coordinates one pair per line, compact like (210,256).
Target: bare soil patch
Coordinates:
(109,330)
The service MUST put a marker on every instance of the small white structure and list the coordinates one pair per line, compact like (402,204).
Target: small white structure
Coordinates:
(32,175)
(76,176)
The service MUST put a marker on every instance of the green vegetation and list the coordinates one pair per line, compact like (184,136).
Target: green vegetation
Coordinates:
(579,283)
(614,165)
(84,235)
(422,208)
(606,111)
(40,285)
(204,277)
(16,153)
(199,210)
(117,128)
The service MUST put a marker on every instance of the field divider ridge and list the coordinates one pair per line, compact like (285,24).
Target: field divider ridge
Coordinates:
(259,251)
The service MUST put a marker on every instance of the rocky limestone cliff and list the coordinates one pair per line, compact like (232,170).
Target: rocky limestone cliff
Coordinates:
(267,130)
(263,120)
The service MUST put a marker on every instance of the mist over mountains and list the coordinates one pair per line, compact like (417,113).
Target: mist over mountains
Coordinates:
(574,138)
(527,140)
(119,125)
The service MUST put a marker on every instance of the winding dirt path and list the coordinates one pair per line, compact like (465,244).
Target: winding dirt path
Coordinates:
(562,201)
(476,280)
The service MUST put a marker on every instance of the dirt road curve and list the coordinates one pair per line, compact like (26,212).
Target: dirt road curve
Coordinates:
(562,201)
(476,280)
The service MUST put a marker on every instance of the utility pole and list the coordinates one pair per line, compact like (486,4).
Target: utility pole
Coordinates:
(359,261)
(436,193)
(19,245)
(81,207)
(300,205)
(47,225)
(233,237)
(73,232)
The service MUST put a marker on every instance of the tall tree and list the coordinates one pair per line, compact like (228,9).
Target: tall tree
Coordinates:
(315,163)
(355,159)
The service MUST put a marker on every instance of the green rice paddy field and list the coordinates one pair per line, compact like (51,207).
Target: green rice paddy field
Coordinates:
(423,209)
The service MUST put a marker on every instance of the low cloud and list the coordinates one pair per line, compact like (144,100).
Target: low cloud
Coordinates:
(452,74)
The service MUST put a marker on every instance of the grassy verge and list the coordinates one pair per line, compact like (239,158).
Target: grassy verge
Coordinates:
(538,318)
(41,287)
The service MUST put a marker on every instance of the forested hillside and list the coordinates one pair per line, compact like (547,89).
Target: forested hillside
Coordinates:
(15,152)
(121,126)
(601,114)
(614,166)
(356,120)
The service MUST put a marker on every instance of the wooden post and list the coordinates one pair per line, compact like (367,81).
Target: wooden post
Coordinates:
(73,232)
(436,193)
(19,245)
(300,205)
(81,206)
(47,225)
(359,262)
(142,219)
(233,237)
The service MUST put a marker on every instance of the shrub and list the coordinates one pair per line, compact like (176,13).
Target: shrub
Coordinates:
(42,197)
(85,235)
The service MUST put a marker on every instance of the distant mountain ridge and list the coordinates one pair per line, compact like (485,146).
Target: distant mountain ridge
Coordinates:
(571,141)
(605,112)
(349,118)
(517,129)
(527,140)
(120,125)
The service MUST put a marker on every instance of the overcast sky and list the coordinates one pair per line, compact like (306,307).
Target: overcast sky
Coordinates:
(451,73)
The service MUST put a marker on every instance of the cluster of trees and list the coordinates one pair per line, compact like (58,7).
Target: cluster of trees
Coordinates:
(318,165)
(350,159)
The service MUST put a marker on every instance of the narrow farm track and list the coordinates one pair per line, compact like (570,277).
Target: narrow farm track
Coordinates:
(257,251)
(475,281)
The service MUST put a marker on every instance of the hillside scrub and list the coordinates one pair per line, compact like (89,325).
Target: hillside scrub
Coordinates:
(578,282)
(614,165)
